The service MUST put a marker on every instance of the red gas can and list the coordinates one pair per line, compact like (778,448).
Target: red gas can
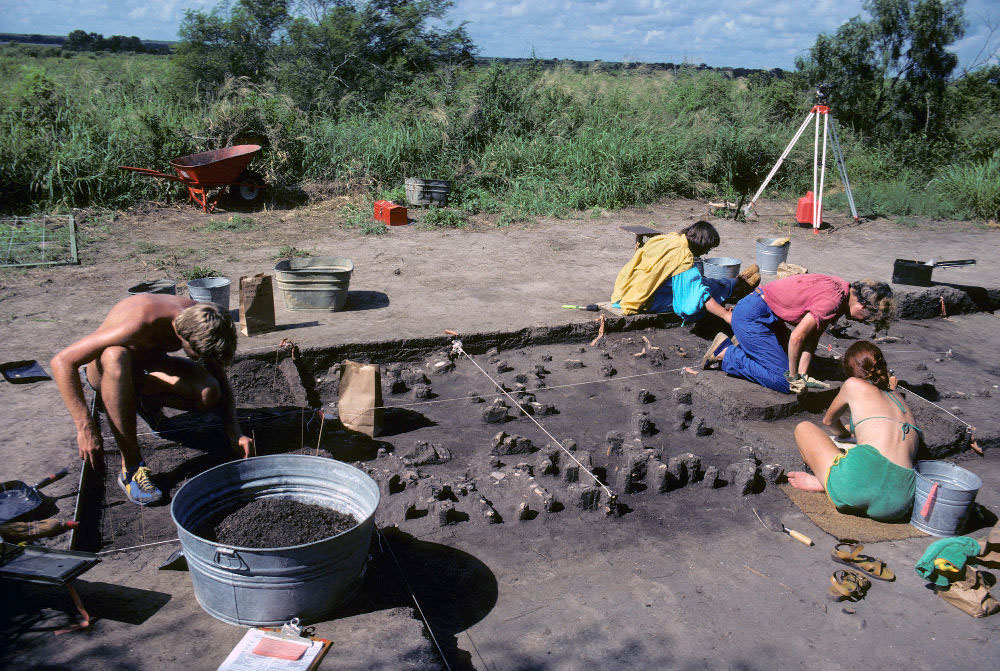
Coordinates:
(389,213)
(804,212)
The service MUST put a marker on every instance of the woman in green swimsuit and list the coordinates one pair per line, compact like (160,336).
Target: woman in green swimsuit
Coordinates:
(875,478)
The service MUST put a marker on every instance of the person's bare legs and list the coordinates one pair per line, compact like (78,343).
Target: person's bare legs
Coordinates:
(170,381)
(181,384)
(818,451)
(111,373)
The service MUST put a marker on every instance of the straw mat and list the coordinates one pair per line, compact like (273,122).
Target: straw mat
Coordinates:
(819,509)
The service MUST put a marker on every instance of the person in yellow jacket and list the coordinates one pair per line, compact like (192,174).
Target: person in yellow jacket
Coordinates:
(662,277)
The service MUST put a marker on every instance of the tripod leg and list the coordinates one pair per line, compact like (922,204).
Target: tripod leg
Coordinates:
(815,174)
(843,167)
(777,165)
(818,196)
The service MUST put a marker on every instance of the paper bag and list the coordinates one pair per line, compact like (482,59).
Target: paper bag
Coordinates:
(256,304)
(971,595)
(360,403)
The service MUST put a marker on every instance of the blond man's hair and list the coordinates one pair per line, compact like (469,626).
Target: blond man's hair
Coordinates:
(209,330)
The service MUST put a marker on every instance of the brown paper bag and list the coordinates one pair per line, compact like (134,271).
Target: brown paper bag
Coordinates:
(256,304)
(990,556)
(360,404)
(971,594)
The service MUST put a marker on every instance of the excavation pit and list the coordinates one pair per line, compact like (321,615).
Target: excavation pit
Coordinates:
(457,450)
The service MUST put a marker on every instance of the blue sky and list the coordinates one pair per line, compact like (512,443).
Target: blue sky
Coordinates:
(747,33)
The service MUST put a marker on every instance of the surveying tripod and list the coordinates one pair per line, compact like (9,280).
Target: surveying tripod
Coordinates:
(820,109)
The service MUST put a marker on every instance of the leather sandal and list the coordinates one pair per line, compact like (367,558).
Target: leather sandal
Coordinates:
(870,566)
(847,586)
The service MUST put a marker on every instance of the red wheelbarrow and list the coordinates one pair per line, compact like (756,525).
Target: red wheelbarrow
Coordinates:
(215,169)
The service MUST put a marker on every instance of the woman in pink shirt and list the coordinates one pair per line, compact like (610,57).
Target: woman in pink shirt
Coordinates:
(777,327)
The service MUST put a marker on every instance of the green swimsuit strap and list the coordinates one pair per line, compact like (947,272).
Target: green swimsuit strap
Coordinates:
(905,426)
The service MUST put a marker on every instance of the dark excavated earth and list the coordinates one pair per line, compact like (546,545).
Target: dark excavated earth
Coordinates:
(277,523)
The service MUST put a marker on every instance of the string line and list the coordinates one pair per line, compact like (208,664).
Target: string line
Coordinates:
(458,347)
(413,596)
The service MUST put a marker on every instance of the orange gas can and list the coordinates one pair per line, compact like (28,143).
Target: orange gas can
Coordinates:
(389,213)
(804,212)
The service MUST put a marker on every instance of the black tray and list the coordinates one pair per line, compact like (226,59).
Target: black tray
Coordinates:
(23,372)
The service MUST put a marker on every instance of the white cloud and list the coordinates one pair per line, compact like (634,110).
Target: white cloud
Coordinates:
(748,33)
(653,36)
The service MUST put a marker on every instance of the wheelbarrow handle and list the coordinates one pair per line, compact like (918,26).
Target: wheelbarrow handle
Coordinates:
(48,480)
(155,173)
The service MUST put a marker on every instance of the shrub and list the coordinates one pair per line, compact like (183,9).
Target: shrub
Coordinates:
(442,217)
(973,185)
(198,272)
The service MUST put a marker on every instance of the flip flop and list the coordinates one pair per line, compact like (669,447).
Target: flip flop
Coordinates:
(847,586)
(870,566)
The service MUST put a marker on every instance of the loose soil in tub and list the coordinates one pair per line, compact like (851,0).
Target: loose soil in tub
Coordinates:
(276,523)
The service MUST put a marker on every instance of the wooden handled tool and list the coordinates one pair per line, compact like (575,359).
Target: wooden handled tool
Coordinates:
(26,531)
(774,524)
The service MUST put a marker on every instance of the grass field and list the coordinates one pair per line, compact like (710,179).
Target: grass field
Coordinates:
(519,141)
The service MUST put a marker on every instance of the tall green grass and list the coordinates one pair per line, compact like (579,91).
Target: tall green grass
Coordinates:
(519,142)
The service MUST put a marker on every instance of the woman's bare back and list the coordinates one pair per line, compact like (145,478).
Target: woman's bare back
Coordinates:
(882,423)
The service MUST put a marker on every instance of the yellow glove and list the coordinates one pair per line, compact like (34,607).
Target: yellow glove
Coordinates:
(944,566)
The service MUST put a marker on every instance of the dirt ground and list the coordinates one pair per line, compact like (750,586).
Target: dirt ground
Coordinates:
(680,580)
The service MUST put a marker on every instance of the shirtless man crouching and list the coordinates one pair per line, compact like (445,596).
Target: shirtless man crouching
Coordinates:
(128,364)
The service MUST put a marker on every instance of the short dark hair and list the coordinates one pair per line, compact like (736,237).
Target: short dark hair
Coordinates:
(701,237)
(876,296)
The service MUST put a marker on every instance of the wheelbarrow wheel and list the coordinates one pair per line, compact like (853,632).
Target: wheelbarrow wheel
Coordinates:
(246,194)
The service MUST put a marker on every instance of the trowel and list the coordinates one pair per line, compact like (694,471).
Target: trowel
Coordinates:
(772,523)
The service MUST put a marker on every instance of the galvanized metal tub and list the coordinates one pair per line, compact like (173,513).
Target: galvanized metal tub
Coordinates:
(949,509)
(427,191)
(720,267)
(155,287)
(210,290)
(269,586)
(769,256)
(316,283)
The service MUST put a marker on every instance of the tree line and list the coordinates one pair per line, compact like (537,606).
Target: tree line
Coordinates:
(80,40)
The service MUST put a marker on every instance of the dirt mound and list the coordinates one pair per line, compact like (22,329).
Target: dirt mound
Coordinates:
(275,523)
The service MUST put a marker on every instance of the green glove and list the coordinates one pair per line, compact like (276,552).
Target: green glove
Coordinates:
(796,383)
(813,383)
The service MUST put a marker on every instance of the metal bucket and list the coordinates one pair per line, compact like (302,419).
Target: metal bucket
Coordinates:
(770,257)
(956,492)
(427,191)
(720,267)
(317,283)
(269,586)
(155,287)
(210,290)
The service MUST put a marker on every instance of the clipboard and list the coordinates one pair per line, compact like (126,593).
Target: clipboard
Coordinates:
(243,658)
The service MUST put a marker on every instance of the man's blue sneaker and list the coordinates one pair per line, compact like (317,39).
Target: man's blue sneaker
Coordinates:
(138,486)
